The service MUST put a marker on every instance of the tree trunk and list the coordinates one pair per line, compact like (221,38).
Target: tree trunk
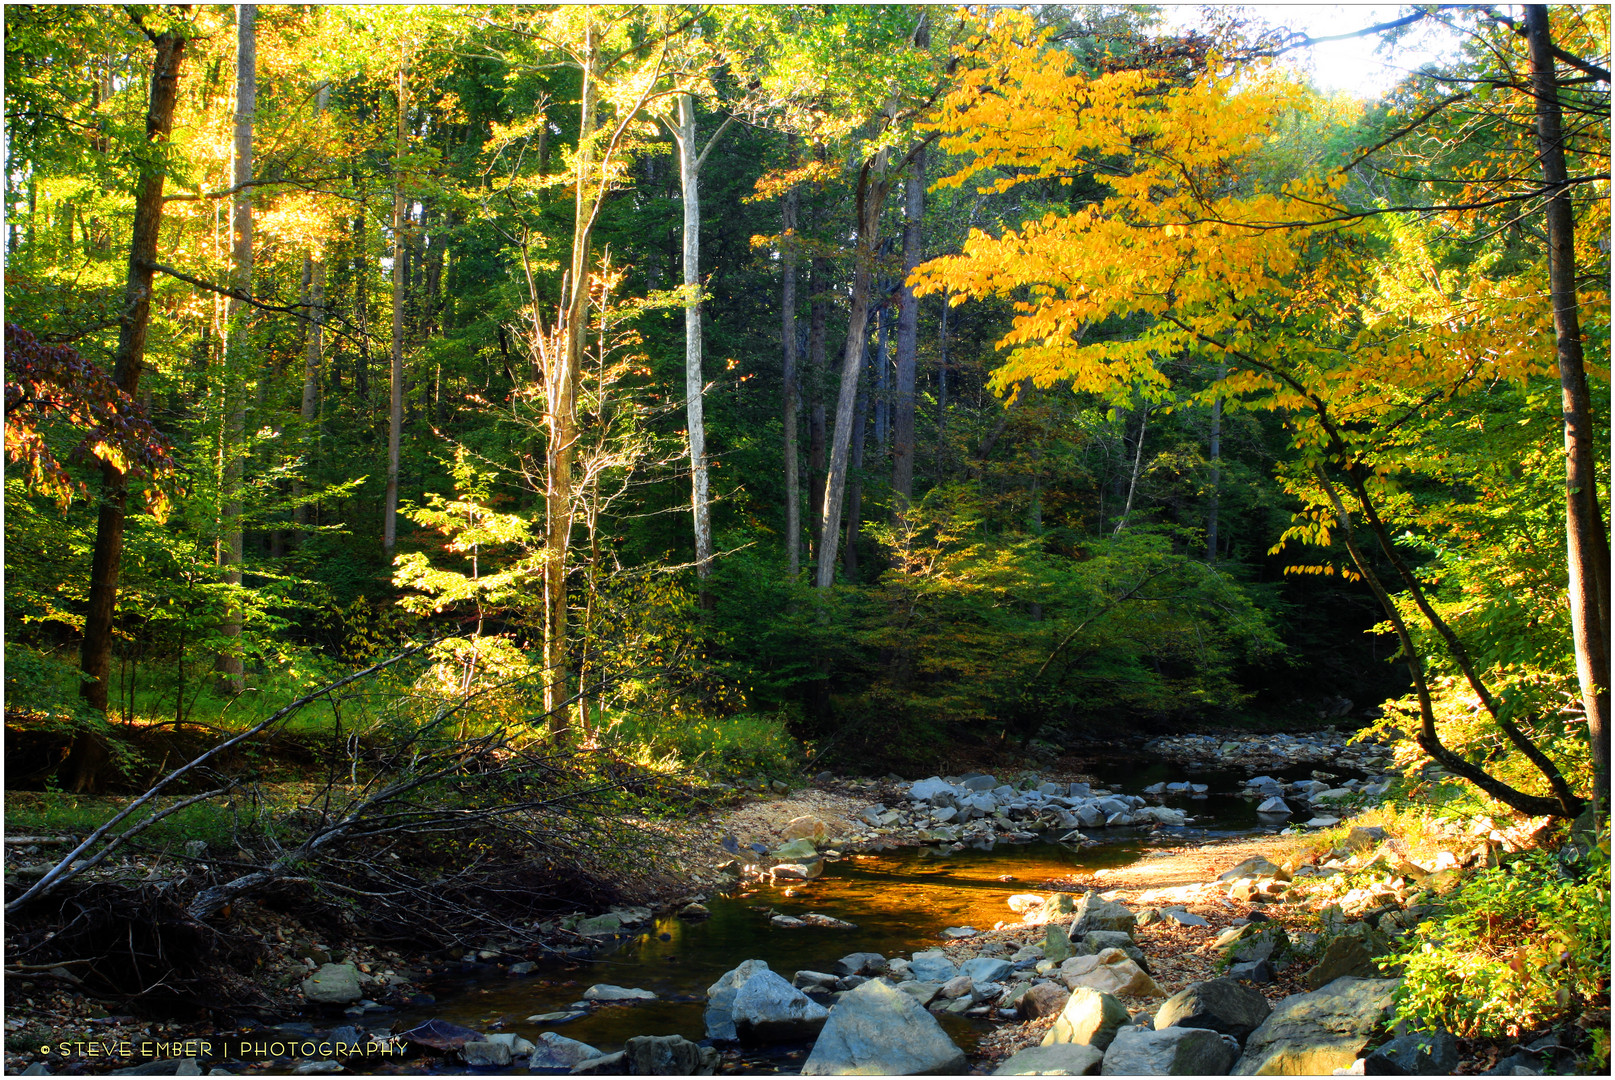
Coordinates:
(908,325)
(395,383)
(872,188)
(1138,465)
(561,397)
(793,484)
(1215,480)
(237,350)
(855,492)
(89,752)
(1587,544)
(818,317)
(313,350)
(689,184)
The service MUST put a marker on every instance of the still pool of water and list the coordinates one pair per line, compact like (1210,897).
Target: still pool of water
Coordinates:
(899,900)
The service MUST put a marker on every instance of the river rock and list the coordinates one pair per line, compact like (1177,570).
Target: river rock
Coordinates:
(1111,972)
(600,926)
(1056,944)
(1179,1051)
(719,1015)
(606,992)
(1060,1059)
(1218,1004)
(797,850)
(956,987)
(922,992)
(1021,903)
(1363,838)
(556,1053)
(1254,941)
(1423,1053)
(1041,999)
(986,969)
(1089,1017)
(667,1055)
(932,966)
(879,1030)
(766,1008)
(814,980)
(482,1053)
(979,782)
(1254,868)
(1092,913)
(1256,971)
(806,827)
(928,789)
(1184,918)
(1352,953)
(861,963)
(333,984)
(1318,1032)
(954,933)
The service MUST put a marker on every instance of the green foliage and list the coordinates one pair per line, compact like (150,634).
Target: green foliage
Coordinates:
(745,744)
(1519,947)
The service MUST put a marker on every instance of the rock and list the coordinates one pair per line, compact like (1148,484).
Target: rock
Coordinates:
(1184,918)
(1060,1059)
(932,966)
(1100,940)
(1056,944)
(1423,1053)
(608,992)
(922,992)
(719,1014)
(1023,902)
(1111,972)
(1254,867)
(1092,913)
(1027,952)
(600,926)
(1042,999)
(954,933)
(779,787)
(632,916)
(440,1035)
(806,827)
(333,984)
(1275,805)
(861,963)
(1089,1017)
(979,782)
(1363,838)
(668,1055)
(986,969)
(556,1053)
(796,850)
(957,987)
(483,1052)
(1218,1004)
(1318,1032)
(562,1017)
(1255,941)
(786,922)
(897,969)
(877,1029)
(766,1008)
(813,980)
(926,790)
(1256,971)
(1349,954)
(694,911)
(605,1065)
(1178,1051)
(303,1068)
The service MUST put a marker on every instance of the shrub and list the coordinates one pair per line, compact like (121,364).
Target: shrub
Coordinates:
(1521,946)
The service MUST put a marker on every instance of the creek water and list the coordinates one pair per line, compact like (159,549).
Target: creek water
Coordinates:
(900,901)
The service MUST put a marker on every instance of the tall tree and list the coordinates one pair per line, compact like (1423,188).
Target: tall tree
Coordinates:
(95,655)
(238,349)
(793,483)
(395,393)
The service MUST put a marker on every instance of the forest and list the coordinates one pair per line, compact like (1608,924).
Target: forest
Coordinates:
(487,411)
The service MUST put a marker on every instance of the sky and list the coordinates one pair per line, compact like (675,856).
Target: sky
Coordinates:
(1355,65)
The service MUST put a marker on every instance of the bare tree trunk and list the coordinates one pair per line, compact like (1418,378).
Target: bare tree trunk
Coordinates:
(908,325)
(818,317)
(313,351)
(561,387)
(872,188)
(855,493)
(689,183)
(89,753)
(793,483)
(237,350)
(395,383)
(1587,554)
(1138,465)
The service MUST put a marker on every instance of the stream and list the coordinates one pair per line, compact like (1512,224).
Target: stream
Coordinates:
(900,900)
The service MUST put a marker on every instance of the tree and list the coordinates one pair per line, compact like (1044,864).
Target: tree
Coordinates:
(1211,260)
(95,657)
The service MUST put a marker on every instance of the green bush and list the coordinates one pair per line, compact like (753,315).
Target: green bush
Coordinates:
(1521,946)
(731,745)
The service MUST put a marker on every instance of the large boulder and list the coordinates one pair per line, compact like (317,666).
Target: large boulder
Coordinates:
(877,1029)
(1179,1051)
(667,1055)
(1254,941)
(1089,1017)
(1041,999)
(1111,972)
(1092,913)
(861,963)
(558,1054)
(1318,1032)
(333,984)
(986,969)
(1060,1059)
(720,1018)
(1423,1053)
(766,1008)
(806,827)
(1352,953)
(1218,1004)
(928,789)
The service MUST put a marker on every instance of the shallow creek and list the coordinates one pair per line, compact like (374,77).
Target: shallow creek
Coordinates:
(900,901)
